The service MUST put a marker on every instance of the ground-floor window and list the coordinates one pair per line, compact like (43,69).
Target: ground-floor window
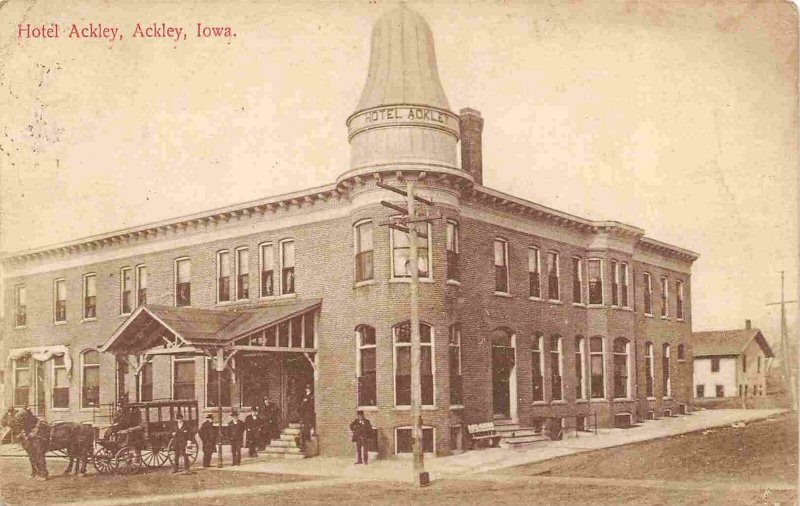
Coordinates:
(402,364)
(403,440)
(90,378)
(146,382)
(183,378)
(60,383)
(720,391)
(701,391)
(22,381)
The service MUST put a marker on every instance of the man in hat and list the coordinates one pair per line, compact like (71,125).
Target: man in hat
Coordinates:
(362,432)
(253,423)
(236,428)
(183,436)
(208,435)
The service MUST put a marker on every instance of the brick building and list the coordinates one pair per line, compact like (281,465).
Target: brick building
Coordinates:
(528,312)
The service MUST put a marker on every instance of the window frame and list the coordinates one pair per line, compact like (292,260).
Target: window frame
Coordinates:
(360,348)
(210,368)
(615,302)
(535,275)
(647,306)
(122,291)
(602,374)
(53,387)
(141,383)
(504,266)
(175,284)
(649,357)
(590,301)
(557,276)
(664,297)
(395,345)
(559,352)
(238,294)
(180,360)
(409,428)
(20,308)
(56,300)
(452,271)
(262,247)
(576,260)
(407,279)
(219,277)
(84,366)
(359,253)
(282,261)
(15,370)
(537,349)
(85,297)
(666,373)
(679,300)
(139,270)
(457,392)
(628,371)
(581,392)
(624,290)
(715,362)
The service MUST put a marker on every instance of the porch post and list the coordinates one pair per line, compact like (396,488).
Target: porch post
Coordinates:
(220,367)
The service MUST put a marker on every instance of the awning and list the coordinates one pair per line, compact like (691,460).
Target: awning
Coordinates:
(167,330)
(43,354)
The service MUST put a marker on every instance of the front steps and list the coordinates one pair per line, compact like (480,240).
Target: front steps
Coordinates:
(286,447)
(514,436)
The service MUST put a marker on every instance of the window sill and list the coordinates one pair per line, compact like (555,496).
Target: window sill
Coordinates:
(60,322)
(679,320)
(408,280)
(556,403)
(581,401)
(664,317)
(453,282)
(367,408)
(650,398)
(537,299)
(648,315)
(366,282)
(454,407)
(554,301)
(278,297)
(596,306)
(598,399)
(60,410)
(539,403)
(20,327)
(628,309)
(408,408)
(624,399)
(85,320)
(503,294)
(579,304)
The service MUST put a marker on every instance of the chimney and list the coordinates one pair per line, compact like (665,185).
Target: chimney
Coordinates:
(747,325)
(471,124)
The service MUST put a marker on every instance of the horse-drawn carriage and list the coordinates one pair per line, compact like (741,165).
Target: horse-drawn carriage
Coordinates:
(141,436)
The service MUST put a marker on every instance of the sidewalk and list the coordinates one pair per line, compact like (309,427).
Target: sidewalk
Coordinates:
(490,459)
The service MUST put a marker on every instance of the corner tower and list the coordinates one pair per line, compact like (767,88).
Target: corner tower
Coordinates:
(403,120)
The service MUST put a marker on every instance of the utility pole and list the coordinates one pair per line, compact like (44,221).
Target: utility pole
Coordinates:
(407,223)
(788,377)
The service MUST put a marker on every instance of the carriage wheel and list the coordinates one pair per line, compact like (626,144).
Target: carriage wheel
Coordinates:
(154,457)
(191,452)
(128,460)
(103,460)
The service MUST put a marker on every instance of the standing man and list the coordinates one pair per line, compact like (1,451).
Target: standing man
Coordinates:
(362,432)
(253,425)
(183,436)
(307,414)
(236,428)
(208,435)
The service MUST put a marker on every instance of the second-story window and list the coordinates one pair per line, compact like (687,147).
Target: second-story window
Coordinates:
(534,278)
(267,270)
(242,274)
(452,251)
(553,292)
(577,281)
(401,254)
(126,288)
(223,276)
(363,251)
(500,266)
(623,285)
(183,282)
(648,293)
(287,267)
(664,297)
(141,285)
(60,292)
(89,296)
(595,268)
(20,306)
(679,300)
(614,283)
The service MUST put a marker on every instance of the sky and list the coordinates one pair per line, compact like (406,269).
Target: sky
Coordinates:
(676,117)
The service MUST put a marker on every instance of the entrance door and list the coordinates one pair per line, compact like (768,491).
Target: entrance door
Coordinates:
(298,374)
(503,387)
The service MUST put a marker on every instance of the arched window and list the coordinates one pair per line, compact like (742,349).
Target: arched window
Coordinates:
(402,364)
(363,250)
(621,368)
(580,367)
(537,367)
(597,367)
(648,369)
(367,366)
(667,384)
(90,378)
(456,383)
(556,368)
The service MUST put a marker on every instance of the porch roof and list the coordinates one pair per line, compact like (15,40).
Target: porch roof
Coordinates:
(190,329)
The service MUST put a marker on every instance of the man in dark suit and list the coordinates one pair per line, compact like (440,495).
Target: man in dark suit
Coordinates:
(253,424)
(208,435)
(183,436)
(362,432)
(236,428)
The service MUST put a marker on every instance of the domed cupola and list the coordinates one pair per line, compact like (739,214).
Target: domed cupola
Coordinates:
(403,120)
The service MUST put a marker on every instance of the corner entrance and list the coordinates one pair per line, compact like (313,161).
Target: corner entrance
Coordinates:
(504,383)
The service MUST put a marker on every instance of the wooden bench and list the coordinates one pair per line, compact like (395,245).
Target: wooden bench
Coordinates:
(480,432)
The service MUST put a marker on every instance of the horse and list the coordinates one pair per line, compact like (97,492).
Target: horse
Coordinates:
(39,437)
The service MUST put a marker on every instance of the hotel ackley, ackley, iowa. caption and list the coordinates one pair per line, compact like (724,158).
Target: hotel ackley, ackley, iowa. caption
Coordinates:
(528,314)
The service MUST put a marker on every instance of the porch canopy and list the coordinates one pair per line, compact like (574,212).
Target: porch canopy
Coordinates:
(165,330)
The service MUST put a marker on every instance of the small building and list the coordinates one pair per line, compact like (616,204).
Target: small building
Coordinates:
(730,363)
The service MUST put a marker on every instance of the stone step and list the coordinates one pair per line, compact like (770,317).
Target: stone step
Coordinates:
(295,426)
(282,443)
(514,442)
(502,429)
(521,432)
(288,437)
(283,455)
(281,450)
(291,430)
